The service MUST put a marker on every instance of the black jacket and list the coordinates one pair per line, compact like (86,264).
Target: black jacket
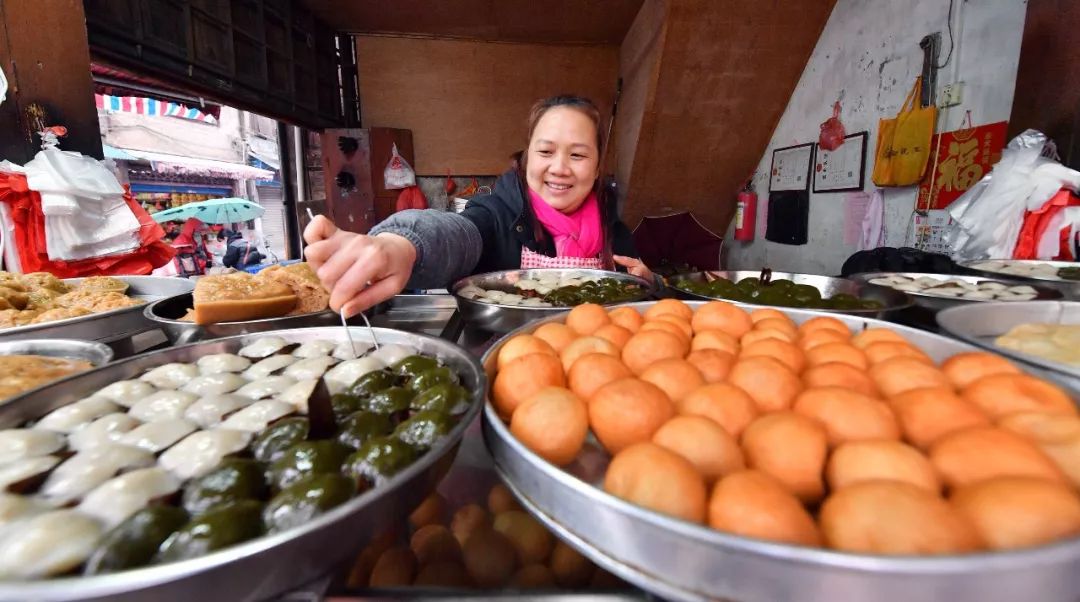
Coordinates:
(506,225)
(486,237)
(240,254)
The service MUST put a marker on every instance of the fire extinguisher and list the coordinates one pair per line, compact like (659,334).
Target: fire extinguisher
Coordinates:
(746,213)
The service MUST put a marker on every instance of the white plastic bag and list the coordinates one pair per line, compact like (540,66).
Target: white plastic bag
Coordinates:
(83,204)
(398,173)
(988,217)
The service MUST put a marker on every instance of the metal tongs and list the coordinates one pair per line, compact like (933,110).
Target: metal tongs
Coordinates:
(344,321)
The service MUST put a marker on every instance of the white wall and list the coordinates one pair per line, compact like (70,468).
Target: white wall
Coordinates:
(868,56)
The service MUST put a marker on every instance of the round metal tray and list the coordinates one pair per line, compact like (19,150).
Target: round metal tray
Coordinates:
(271,565)
(106,326)
(982,324)
(892,300)
(1071,288)
(164,314)
(504,318)
(680,560)
(938,303)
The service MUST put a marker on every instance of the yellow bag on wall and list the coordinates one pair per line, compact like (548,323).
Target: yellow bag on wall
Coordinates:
(903,144)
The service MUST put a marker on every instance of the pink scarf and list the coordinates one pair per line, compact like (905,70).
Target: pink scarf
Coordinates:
(576,235)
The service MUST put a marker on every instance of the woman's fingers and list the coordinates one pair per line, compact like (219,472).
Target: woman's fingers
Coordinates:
(354,254)
(319,229)
(627,262)
(373,295)
(353,282)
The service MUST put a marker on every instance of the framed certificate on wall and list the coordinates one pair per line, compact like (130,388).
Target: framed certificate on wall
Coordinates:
(843,169)
(791,168)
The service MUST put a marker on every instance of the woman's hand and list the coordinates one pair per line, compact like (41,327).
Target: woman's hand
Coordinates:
(358,270)
(634,266)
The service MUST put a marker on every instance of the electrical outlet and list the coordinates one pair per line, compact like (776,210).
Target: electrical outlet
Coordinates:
(950,95)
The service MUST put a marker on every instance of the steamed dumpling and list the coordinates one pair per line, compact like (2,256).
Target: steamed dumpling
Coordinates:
(257,416)
(16,444)
(314,349)
(222,362)
(14,507)
(343,375)
(215,384)
(263,347)
(107,429)
(90,468)
(163,405)
(212,409)
(170,376)
(20,470)
(266,387)
(392,354)
(199,452)
(48,544)
(75,415)
(346,350)
(268,366)
(313,367)
(299,394)
(115,500)
(159,435)
(126,392)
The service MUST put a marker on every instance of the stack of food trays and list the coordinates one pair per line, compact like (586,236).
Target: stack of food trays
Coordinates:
(103,325)
(203,465)
(502,301)
(833,457)
(940,291)
(787,289)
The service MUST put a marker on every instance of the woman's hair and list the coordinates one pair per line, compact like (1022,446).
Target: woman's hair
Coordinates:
(604,195)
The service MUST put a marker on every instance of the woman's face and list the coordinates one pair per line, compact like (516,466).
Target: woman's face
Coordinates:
(563,160)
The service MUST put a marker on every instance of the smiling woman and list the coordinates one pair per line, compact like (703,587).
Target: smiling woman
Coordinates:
(551,212)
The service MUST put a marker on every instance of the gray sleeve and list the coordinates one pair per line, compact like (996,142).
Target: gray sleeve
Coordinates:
(447,245)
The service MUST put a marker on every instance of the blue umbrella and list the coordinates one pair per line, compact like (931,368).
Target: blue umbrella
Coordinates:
(214,211)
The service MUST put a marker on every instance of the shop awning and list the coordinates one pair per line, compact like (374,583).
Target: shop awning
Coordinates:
(166,163)
(111,152)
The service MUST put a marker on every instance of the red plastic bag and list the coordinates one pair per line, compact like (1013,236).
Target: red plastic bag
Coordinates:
(451,185)
(25,206)
(832,130)
(411,198)
(1037,222)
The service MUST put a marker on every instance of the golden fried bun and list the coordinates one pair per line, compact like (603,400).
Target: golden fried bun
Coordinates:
(753,504)
(891,517)
(1056,435)
(926,415)
(847,415)
(1019,512)
(648,475)
(984,452)
(861,461)
(791,448)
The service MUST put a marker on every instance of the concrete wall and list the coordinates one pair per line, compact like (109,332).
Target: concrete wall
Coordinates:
(175,135)
(639,66)
(868,57)
(466,102)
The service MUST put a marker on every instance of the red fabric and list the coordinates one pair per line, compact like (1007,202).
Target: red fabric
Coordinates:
(411,197)
(25,205)
(1036,222)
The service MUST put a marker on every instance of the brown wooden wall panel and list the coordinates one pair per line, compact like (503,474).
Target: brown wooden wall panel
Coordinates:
(727,70)
(1048,78)
(44,53)
(466,102)
(639,67)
